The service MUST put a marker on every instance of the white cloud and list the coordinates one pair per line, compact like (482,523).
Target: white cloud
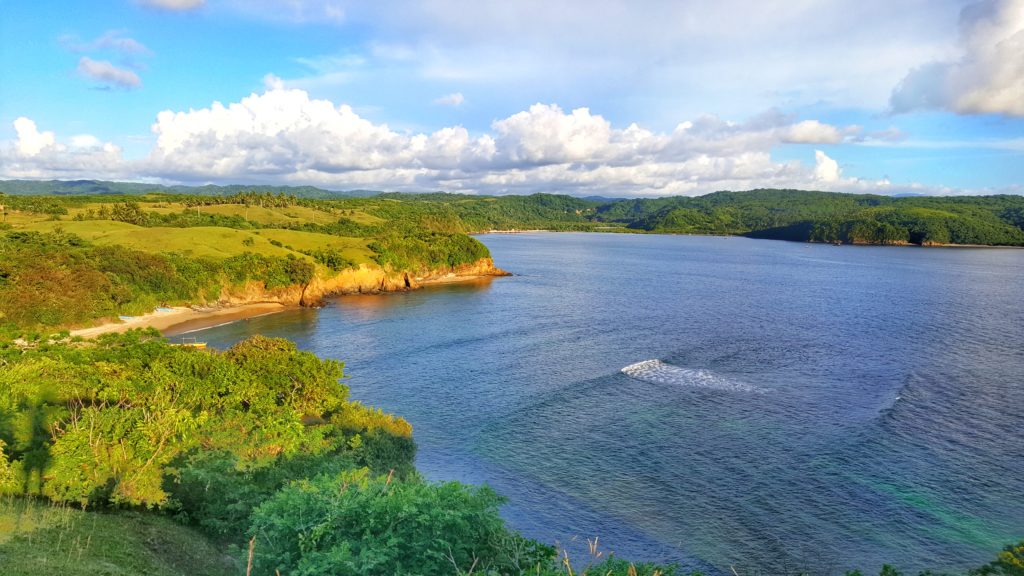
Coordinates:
(284,136)
(812,132)
(39,154)
(85,141)
(454,99)
(284,132)
(108,74)
(987,77)
(175,5)
(273,82)
(546,135)
(30,140)
(825,169)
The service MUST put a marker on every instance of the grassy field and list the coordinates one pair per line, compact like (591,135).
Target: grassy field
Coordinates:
(37,538)
(211,241)
(353,248)
(205,241)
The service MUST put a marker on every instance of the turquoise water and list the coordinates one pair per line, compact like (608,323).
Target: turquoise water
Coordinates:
(810,407)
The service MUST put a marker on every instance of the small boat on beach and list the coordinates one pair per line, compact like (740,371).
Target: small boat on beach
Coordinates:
(191,343)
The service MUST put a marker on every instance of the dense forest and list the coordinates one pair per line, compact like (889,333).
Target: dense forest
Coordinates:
(777,214)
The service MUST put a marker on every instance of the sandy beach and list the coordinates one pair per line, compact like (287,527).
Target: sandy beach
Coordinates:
(182,318)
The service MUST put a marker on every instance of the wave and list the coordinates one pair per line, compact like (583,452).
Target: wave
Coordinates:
(658,372)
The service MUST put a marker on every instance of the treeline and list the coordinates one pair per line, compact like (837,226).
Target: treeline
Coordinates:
(107,188)
(832,217)
(778,214)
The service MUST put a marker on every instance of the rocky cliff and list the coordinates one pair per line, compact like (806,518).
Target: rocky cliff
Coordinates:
(362,280)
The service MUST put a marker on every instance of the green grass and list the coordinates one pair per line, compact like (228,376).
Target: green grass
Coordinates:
(40,539)
(269,216)
(201,241)
(353,248)
(211,241)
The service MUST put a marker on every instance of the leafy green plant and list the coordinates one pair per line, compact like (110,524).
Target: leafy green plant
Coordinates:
(359,524)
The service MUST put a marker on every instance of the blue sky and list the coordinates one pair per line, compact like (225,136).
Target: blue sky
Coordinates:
(581,97)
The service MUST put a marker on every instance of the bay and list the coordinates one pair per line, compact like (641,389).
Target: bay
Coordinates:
(811,407)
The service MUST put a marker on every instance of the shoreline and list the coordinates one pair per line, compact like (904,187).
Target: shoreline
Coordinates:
(178,320)
(169,319)
(618,230)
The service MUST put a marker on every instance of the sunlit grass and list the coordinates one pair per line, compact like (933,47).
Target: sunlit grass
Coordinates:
(40,538)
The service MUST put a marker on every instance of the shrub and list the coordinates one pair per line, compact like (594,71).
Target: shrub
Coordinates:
(358,525)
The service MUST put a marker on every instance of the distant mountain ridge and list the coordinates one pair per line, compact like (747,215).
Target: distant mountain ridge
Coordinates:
(106,187)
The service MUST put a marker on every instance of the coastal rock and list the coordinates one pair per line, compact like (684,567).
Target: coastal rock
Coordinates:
(362,280)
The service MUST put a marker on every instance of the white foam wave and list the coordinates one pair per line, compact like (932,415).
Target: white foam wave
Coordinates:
(658,372)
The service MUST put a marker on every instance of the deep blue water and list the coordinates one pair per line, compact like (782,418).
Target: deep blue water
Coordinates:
(819,407)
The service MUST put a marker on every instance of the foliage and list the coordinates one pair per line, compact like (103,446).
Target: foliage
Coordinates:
(427,251)
(115,421)
(58,279)
(274,272)
(332,258)
(1009,562)
(357,524)
(8,475)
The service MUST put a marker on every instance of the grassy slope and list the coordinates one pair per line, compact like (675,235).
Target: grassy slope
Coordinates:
(353,248)
(203,241)
(39,538)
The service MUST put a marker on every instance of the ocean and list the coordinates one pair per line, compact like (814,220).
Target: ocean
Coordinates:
(713,401)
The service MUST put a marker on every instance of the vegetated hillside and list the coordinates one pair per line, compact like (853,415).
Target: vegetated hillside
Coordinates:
(779,214)
(69,260)
(832,217)
(104,187)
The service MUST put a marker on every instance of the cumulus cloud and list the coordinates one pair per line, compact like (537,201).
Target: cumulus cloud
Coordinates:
(812,132)
(454,99)
(988,75)
(174,5)
(273,82)
(107,74)
(39,154)
(825,168)
(30,140)
(284,132)
(285,136)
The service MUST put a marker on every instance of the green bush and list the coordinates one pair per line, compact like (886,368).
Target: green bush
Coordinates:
(1009,562)
(211,488)
(332,258)
(358,525)
(384,452)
